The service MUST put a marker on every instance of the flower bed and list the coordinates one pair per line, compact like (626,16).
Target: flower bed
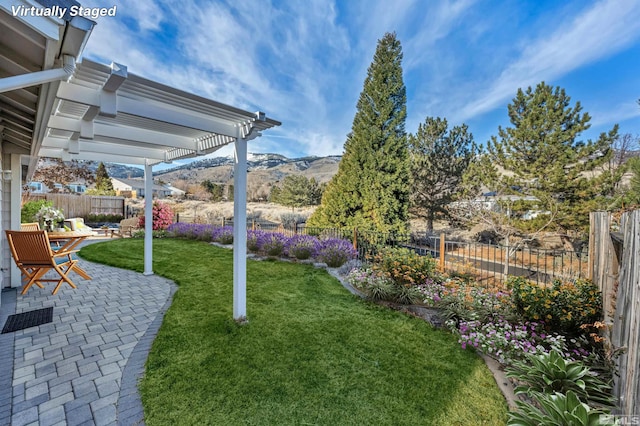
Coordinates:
(332,251)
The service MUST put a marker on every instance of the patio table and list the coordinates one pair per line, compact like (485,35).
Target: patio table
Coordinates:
(69,241)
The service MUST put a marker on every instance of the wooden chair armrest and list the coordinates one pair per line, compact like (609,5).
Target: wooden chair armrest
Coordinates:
(65,253)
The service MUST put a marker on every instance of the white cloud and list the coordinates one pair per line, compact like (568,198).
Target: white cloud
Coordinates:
(602,30)
(616,114)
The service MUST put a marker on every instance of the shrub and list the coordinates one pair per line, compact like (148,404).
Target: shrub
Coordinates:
(404,266)
(31,208)
(223,235)
(162,216)
(254,238)
(550,372)
(272,243)
(103,218)
(462,301)
(431,292)
(335,252)
(290,220)
(302,246)
(193,231)
(407,294)
(564,306)
(557,409)
(507,342)
(380,287)
(375,286)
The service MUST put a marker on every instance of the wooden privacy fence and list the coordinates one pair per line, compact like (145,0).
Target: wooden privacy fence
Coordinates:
(616,270)
(82,205)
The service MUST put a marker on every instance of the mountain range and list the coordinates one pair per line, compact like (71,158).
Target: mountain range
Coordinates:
(262,168)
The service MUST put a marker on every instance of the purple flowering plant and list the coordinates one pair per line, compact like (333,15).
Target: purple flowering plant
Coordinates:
(223,235)
(432,291)
(272,243)
(301,246)
(254,239)
(191,231)
(362,278)
(506,341)
(335,252)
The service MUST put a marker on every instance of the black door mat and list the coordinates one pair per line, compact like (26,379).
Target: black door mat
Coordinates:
(28,319)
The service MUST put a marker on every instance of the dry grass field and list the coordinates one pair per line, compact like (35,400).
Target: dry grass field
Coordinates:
(210,212)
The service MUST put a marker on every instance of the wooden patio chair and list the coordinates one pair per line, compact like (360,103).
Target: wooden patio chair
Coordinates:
(33,226)
(126,228)
(32,253)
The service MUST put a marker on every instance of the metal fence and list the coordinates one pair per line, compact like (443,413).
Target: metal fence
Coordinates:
(487,264)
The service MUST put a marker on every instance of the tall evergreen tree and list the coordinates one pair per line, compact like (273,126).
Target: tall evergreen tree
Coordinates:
(295,191)
(632,196)
(104,186)
(438,159)
(103,181)
(543,157)
(371,187)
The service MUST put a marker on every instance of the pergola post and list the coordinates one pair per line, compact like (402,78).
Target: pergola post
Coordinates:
(148,223)
(240,231)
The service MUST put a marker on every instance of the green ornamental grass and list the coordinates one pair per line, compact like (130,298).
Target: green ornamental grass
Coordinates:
(312,353)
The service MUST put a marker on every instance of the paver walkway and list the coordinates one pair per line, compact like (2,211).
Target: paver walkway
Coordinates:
(83,368)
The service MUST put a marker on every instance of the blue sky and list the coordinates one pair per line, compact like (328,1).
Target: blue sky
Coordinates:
(304,62)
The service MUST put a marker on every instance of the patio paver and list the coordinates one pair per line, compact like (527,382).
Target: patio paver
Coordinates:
(84,367)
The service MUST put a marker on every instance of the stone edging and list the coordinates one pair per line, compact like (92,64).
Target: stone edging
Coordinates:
(129,410)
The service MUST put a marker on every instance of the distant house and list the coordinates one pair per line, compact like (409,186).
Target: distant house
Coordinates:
(500,203)
(77,188)
(134,188)
(73,188)
(37,187)
(176,192)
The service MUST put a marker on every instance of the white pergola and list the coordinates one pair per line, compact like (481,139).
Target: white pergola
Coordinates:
(91,111)
(103,113)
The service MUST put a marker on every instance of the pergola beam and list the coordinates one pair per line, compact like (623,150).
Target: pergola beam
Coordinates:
(105,148)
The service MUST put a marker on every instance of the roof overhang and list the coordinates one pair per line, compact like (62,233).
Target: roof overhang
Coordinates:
(30,45)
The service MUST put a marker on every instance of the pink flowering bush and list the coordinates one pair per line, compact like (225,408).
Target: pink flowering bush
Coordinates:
(162,217)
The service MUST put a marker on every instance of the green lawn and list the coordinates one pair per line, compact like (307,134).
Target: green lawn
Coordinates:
(312,353)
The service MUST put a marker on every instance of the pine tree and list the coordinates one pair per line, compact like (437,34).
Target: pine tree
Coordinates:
(295,191)
(632,196)
(543,157)
(371,187)
(104,186)
(438,159)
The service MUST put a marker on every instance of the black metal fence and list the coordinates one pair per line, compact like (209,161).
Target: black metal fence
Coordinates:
(486,263)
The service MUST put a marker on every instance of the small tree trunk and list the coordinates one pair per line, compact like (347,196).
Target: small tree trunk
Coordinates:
(566,242)
(430,223)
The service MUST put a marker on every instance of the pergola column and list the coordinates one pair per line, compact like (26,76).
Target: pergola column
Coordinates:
(148,223)
(240,231)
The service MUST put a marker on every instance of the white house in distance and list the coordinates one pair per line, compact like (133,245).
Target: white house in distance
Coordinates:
(55,103)
(134,188)
(36,187)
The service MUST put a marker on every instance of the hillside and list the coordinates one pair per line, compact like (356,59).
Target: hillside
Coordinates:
(263,169)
